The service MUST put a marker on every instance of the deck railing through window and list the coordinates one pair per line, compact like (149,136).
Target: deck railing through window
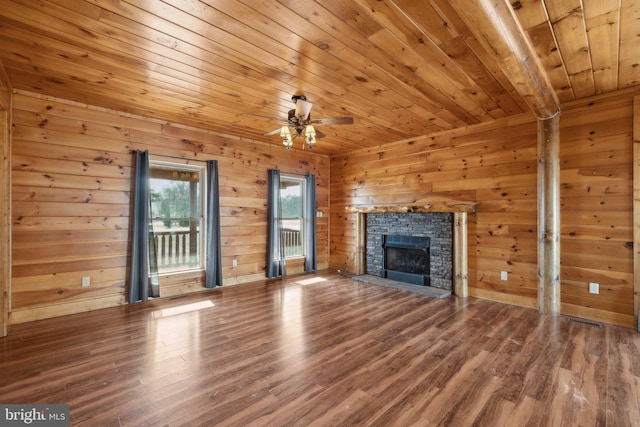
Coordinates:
(292,242)
(176,250)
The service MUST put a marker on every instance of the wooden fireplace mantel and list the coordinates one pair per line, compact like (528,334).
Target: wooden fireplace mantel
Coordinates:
(439,207)
(459,210)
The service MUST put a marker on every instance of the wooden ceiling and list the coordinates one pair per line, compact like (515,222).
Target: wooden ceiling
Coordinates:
(401,68)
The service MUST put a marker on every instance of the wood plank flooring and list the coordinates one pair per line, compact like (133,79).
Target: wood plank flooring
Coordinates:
(323,350)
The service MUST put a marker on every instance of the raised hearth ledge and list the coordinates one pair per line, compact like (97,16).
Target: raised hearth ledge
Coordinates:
(429,207)
(459,210)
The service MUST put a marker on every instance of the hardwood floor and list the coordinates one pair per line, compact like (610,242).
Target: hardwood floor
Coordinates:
(319,350)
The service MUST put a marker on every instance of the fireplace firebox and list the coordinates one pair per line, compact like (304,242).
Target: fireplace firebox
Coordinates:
(406,259)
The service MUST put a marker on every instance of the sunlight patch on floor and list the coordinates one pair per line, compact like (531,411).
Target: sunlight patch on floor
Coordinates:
(311,281)
(186,308)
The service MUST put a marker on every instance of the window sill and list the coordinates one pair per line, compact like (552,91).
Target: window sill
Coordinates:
(182,273)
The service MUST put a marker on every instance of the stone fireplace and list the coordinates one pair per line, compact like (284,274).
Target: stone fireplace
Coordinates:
(415,248)
(451,261)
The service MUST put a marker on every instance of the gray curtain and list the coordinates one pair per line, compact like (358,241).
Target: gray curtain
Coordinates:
(276,265)
(213,263)
(143,274)
(311,258)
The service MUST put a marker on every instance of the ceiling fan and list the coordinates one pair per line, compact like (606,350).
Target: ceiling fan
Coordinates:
(301,124)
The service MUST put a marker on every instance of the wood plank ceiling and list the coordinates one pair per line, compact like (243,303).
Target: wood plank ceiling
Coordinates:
(401,68)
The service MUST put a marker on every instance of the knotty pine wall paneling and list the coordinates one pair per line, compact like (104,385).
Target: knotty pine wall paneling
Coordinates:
(596,163)
(72,171)
(490,165)
(495,166)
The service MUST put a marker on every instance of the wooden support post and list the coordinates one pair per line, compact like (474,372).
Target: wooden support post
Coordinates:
(636,207)
(549,216)
(460,282)
(5,202)
(361,229)
(5,226)
(494,24)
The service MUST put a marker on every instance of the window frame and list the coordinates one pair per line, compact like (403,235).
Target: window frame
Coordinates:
(303,196)
(162,163)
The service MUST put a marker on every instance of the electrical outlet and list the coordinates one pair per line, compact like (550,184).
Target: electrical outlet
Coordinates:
(504,275)
(594,288)
(234,263)
(86,281)
(319,214)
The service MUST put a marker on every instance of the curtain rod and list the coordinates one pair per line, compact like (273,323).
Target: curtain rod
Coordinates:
(170,157)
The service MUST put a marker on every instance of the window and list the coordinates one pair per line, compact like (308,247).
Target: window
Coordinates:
(292,201)
(291,222)
(177,208)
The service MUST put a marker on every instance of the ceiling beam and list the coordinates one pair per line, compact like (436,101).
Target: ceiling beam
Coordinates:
(495,25)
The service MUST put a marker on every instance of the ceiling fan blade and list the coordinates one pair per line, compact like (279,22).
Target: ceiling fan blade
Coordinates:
(273,132)
(333,121)
(277,119)
(319,134)
(303,109)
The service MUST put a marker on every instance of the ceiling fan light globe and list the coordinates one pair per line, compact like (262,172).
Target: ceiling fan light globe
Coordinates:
(284,131)
(287,140)
(303,109)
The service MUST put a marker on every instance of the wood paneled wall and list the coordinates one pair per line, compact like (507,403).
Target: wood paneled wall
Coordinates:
(495,166)
(596,178)
(5,200)
(72,171)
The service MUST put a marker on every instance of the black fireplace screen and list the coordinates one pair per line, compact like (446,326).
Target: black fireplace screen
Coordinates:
(407,258)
